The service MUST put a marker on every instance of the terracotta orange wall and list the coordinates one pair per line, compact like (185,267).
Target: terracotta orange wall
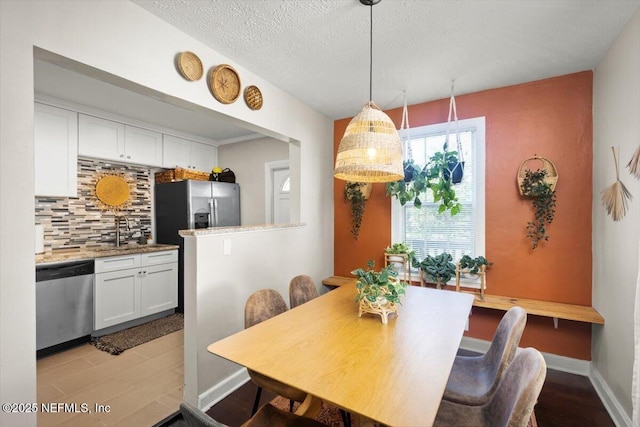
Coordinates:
(551,118)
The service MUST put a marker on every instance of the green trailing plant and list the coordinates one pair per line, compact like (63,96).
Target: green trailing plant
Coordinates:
(435,175)
(399,249)
(372,284)
(353,194)
(474,264)
(438,269)
(543,198)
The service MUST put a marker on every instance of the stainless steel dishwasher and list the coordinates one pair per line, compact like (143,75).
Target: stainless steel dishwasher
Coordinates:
(64,304)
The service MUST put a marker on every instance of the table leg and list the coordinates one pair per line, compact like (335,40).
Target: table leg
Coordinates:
(310,407)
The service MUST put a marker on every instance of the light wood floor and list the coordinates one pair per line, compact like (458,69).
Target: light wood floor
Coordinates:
(142,386)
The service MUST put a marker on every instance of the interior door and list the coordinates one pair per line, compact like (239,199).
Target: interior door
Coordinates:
(281,204)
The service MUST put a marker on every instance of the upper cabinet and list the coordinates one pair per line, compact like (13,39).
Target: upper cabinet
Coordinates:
(55,151)
(188,154)
(106,139)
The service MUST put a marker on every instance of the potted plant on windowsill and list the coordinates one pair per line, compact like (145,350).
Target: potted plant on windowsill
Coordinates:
(470,267)
(398,254)
(379,292)
(437,269)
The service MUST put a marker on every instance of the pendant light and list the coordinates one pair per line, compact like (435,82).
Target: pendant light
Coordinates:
(370,150)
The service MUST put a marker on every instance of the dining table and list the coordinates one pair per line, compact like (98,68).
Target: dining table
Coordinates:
(394,374)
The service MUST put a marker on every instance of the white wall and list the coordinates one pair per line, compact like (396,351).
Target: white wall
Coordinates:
(616,122)
(246,160)
(127,42)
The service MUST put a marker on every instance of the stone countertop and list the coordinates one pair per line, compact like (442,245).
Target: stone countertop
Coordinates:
(67,255)
(237,229)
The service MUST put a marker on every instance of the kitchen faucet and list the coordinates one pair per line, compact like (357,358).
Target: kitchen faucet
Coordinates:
(118,219)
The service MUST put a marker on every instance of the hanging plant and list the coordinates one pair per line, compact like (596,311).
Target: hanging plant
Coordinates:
(538,189)
(353,193)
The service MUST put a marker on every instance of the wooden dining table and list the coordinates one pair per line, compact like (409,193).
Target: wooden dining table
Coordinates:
(394,374)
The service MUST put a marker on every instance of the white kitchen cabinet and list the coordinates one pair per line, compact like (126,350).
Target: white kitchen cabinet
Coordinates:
(109,140)
(188,154)
(55,151)
(100,138)
(132,286)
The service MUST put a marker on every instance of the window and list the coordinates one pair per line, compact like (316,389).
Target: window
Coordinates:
(428,232)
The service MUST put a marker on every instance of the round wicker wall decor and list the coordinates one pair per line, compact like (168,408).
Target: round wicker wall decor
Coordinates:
(253,97)
(190,66)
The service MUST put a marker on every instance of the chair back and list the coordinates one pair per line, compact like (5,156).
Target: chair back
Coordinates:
(517,393)
(194,417)
(504,344)
(301,290)
(262,305)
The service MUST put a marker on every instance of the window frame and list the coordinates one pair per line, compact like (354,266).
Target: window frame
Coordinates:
(476,124)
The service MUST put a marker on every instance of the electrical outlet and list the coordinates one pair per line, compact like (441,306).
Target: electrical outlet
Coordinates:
(226,247)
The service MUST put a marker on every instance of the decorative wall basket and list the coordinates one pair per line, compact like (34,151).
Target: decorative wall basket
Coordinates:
(112,191)
(545,164)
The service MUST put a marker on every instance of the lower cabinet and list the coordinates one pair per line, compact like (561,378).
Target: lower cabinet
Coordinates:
(124,294)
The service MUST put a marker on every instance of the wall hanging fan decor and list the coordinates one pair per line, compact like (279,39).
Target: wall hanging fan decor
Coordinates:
(224,83)
(615,198)
(253,97)
(190,66)
(634,163)
(112,191)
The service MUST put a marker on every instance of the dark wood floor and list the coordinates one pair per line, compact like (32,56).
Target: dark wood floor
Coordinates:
(566,400)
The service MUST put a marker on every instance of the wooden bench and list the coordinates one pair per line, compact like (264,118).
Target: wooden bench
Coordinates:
(555,310)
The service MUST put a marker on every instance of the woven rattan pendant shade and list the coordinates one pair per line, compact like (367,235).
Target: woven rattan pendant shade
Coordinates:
(370,150)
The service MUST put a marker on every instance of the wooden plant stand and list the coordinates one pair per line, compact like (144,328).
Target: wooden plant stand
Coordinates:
(406,265)
(482,274)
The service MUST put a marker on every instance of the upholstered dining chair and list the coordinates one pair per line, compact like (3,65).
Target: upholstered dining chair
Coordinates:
(260,306)
(512,403)
(267,416)
(301,290)
(473,379)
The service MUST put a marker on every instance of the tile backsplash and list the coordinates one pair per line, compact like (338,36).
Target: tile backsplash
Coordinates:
(78,223)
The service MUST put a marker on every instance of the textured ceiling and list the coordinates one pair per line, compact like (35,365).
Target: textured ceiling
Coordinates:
(318,51)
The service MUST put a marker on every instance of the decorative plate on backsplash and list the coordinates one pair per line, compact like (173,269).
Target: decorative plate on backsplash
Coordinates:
(112,191)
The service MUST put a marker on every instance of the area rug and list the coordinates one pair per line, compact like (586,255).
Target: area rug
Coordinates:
(118,342)
(330,415)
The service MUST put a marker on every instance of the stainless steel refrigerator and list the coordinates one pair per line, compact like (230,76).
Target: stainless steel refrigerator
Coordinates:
(193,204)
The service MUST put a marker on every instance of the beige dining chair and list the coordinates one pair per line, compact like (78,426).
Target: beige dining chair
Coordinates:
(260,306)
(301,290)
(267,416)
(513,402)
(473,379)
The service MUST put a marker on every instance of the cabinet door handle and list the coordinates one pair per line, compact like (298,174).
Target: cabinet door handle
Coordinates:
(128,157)
(121,155)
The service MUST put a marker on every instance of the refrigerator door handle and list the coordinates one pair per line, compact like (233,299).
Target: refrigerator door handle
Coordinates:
(215,212)
(212,220)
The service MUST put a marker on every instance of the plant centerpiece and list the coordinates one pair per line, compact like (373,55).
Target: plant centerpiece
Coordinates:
(437,269)
(379,292)
(357,200)
(540,191)
(435,175)
(473,266)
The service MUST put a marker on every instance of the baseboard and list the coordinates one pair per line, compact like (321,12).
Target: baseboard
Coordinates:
(572,366)
(559,363)
(222,389)
(616,411)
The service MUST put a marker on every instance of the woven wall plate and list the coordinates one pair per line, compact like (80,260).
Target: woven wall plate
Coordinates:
(224,83)
(112,191)
(253,97)
(190,66)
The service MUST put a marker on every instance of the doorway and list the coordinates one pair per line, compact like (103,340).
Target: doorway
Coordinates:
(277,192)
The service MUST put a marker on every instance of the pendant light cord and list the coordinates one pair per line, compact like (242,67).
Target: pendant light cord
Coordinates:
(371,52)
